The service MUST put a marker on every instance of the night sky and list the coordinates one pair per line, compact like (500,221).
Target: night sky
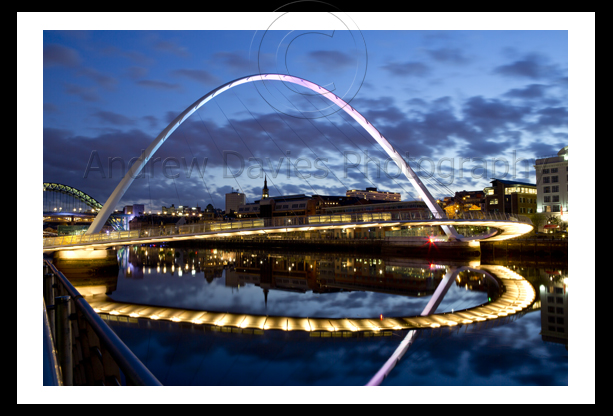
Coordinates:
(454,100)
(452,92)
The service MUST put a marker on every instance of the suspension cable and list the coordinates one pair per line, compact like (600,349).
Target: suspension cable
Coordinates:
(324,135)
(201,176)
(220,153)
(358,147)
(245,144)
(270,137)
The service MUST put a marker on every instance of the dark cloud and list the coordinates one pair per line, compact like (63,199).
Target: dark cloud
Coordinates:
(364,104)
(134,56)
(99,78)
(542,149)
(532,91)
(153,121)
(161,85)
(50,108)
(108,117)
(171,47)
(136,72)
(237,62)
(408,69)
(198,75)
(553,117)
(417,102)
(85,93)
(532,66)
(334,59)
(448,55)
(492,114)
(58,55)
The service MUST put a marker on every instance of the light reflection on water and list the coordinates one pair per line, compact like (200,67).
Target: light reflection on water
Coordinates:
(334,286)
(531,350)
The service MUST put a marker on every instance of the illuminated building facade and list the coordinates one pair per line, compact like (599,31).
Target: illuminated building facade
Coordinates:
(552,184)
(510,197)
(371,194)
(234,200)
(554,310)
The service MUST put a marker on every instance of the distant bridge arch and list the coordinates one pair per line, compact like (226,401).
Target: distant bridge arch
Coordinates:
(82,197)
(133,172)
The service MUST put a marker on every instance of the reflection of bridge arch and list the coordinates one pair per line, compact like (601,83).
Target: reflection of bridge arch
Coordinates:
(133,172)
(517,295)
(82,197)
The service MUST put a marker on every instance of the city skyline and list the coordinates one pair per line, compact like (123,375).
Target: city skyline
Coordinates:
(461,98)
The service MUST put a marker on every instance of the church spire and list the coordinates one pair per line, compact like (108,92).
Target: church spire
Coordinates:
(265,188)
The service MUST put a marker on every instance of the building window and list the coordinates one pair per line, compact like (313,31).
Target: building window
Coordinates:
(554,179)
(547,189)
(547,199)
(556,208)
(555,188)
(556,198)
(545,170)
(545,179)
(494,201)
(554,170)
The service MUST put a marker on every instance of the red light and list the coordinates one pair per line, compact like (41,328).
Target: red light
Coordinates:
(381,317)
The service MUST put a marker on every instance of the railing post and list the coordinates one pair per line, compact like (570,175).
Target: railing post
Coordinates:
(63,332)
(49,298)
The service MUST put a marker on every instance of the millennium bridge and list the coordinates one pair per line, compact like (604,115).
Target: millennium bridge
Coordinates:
(516,294)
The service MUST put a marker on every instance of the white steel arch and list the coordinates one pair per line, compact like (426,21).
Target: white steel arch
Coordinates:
(125,183)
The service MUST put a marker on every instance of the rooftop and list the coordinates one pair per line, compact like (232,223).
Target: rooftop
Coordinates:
(512,182)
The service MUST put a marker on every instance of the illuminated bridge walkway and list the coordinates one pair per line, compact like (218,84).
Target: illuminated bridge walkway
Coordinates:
(501,227)
(516,296)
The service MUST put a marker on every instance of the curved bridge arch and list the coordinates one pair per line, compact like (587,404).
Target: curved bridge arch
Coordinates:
(163,136)
(73,192)
(85,198)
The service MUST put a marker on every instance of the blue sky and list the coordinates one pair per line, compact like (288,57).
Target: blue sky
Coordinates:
(455,100)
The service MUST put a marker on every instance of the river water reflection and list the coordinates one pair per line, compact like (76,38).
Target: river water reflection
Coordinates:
(530,350)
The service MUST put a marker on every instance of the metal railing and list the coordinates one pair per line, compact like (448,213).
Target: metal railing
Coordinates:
(87,351)
(315,220)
